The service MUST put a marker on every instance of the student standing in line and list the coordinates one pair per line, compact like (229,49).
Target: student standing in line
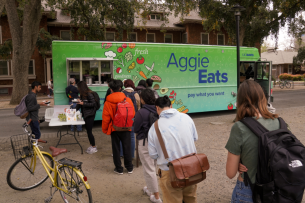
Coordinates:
(33,109)
(72,93)
(141,86)
(135,98)
(243,143)
(179,135)
(141,128)
(109,112)
(87,104)
(149,83)
(50,88)
(108,90)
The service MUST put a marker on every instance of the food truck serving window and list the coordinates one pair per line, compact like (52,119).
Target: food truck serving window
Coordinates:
(93,71)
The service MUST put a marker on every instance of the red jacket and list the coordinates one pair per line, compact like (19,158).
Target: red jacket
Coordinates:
(110,110)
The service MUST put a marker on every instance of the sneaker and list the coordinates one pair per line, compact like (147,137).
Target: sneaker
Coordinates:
(146,191)
(89,148)
(153,199)
(130,172)
(92,150)
(116,171)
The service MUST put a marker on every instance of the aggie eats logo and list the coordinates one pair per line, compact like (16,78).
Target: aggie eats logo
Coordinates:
(193,63)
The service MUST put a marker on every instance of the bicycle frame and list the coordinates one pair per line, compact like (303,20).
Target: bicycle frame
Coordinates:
(37,152)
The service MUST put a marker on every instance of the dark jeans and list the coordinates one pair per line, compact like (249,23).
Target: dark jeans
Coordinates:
(133,144)
(35,127)
(89,121)
(78,127)
(116,138)
(50,92)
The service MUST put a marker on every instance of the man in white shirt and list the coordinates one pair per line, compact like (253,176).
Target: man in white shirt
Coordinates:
(50,87)
(179,133)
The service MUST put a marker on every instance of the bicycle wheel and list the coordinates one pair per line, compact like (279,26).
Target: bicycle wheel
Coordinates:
(288,84)
(20,176)
(282,85)
(77,191)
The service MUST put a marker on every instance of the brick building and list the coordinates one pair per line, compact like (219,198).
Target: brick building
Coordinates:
(190,30)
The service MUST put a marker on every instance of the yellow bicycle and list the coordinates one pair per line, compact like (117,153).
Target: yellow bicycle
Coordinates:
(26,173)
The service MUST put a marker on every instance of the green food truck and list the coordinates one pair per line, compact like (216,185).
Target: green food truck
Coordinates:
(197,78)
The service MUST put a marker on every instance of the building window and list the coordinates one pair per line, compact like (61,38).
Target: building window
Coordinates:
(4,68)
(289,69)
(204,38)
(65,34)
(168,38)
(110,36)
(132,37)
(155,17)
(184,38)
(150,37)
(273,67)
(220,39)
(31,68)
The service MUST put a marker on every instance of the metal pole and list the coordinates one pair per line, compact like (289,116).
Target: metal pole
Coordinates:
(237,14)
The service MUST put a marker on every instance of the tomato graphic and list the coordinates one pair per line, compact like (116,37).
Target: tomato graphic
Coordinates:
(120,50)
(124,46)
(140,60)
(230,106)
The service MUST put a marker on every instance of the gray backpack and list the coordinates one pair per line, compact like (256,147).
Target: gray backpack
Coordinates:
(21,110)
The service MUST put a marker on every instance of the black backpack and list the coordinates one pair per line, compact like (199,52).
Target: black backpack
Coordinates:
(97,100)
(280,176)
(131,96)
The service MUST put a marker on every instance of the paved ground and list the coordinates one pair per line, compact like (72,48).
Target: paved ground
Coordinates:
(213,129)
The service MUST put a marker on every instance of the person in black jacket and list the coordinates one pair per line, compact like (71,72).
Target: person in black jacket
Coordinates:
(33,109)
(141,127)
(87,104)
(72,93)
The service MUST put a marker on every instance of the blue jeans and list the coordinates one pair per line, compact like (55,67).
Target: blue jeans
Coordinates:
(241,193)
(78,127)
(35,127)
(133,144)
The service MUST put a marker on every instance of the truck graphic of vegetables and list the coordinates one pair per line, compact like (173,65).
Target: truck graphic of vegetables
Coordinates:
(131,67)
(128,56)
(179,102)
(141,73)
(230,106)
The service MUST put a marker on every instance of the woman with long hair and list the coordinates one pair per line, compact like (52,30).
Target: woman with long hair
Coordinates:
(88,106)
(141,128)
(242,145)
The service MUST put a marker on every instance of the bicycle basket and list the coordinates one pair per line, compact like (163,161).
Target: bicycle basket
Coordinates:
(21,145)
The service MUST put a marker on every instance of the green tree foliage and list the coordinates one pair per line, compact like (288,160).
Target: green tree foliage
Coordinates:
(91,17)
(299,59)
(260,19)
(44,42)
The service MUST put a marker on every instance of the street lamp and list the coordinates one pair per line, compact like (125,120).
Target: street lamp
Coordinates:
(237,9)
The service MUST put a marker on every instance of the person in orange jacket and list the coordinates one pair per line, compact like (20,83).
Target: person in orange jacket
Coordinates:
(109,111)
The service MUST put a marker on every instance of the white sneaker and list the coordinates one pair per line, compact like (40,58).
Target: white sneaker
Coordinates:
(146,191)
(91,150)
(153,199)
(49,96)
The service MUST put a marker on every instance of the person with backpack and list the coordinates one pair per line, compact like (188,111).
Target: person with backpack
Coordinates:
(258,140)
(108,90)
(118,114)
(144,119)
(88,106)
(33,109)
(135,98)
(72,93)
(179,135)
(141,86)
(149,83)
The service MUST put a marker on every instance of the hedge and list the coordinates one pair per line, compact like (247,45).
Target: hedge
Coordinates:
(286,76)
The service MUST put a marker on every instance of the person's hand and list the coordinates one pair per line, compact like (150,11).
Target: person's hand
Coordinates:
(80,102)
(43,104)
(242,168)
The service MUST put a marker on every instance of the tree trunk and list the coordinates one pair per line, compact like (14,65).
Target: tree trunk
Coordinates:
(24,43)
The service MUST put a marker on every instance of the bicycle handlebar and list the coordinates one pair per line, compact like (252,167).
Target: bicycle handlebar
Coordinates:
(25,126)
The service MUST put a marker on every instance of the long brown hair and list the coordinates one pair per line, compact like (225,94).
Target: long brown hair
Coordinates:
(83,89)
(251,101)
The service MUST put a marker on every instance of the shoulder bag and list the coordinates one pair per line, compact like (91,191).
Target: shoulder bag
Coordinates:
(187,170)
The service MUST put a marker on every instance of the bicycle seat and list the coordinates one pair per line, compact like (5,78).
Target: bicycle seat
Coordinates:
(57,151)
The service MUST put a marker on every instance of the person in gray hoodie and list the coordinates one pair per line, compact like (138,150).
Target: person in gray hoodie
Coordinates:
(142,124)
